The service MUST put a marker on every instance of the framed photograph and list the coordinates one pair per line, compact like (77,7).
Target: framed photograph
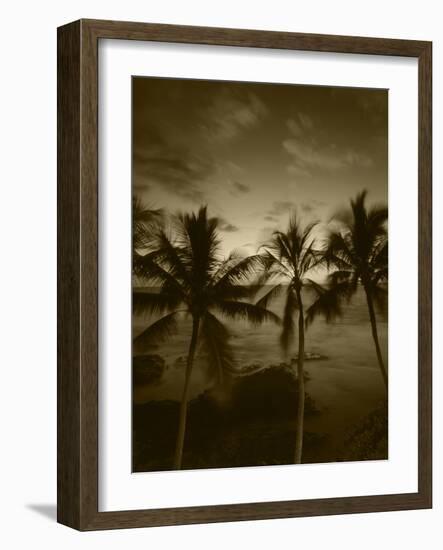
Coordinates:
(236,339)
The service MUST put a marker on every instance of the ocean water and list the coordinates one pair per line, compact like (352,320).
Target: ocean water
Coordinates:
(346,385)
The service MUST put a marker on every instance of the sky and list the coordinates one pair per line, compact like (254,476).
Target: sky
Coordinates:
(255,152)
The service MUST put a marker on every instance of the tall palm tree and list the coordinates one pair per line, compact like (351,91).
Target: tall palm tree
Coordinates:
(193,280)
(289,257)
(357,251)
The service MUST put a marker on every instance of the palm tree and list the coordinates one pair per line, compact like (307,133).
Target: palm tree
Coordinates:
(357,251)
(193,280)
(289,257)
(145,220)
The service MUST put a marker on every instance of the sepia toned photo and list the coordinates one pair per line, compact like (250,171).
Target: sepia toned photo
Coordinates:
(259,274)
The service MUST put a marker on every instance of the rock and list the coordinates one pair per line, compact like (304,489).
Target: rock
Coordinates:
(147,369)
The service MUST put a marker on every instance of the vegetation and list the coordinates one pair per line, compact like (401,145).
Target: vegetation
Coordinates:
(255,427)
(191,280)
(194,281)
(145,222)
(357,253)
(289,258)
(369,438)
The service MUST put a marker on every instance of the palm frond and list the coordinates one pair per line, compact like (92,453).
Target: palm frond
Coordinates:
(377,218)
(285,246)
(246,311)
(380,297)
(145,222)
(226,264)
(147,268)
(275,266)
(153,303)
(233,292)
(270,296)
(360,244)
(341,276)
(200,244)
(380,276)
(338,252)
(144,213)
(307,234)
(309,258)
(238,272)
(174,258)
(157,332)
(328,301)
(368,225)
(292,250)
(379,257)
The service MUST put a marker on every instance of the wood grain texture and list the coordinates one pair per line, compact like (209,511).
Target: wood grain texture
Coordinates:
(254,38)
(89,276)
(78,269)
(425,274)
(68,275)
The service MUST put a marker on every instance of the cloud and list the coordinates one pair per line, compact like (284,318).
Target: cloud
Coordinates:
(227,227)
(353,158)
(265,235)
(240,187)
(310,206)
(173,168)
(230,113)
(299,126)
(309,155)
(139,185)
(234,167)
(279,208)
(183,167)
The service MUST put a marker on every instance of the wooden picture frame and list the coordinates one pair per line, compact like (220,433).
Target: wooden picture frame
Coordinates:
(78,274)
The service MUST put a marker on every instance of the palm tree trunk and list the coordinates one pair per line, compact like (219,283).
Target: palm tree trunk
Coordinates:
(375,337)
(184,402)
(301,383)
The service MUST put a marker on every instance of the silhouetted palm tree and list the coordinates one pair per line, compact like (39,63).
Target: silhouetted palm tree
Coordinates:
(357,251)
(145,220)
(193,280)
(289,257)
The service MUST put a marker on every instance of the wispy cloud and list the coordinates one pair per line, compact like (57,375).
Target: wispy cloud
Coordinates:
(227,227)
(312,205)
(300,125)
(231,113)
(279,208)
(174,168)
(311,151)
(283,208)
(240,187)
(184,168)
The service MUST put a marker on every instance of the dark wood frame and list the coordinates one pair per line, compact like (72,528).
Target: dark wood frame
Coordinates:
(77,456)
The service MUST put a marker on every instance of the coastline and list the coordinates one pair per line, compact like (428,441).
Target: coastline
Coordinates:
(251,422)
